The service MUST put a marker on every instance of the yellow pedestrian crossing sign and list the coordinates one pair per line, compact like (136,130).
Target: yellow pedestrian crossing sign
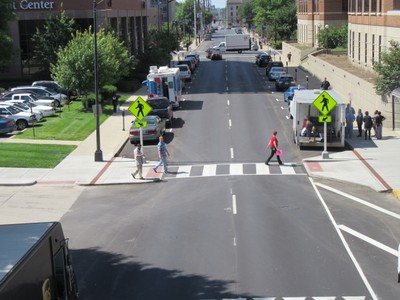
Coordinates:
(140,108)
(324,103)
(324,119)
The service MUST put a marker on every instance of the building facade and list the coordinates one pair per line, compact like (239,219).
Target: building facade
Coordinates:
(231,11)
(129,18)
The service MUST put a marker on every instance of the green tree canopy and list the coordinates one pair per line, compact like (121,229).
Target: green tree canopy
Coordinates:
(388,69)
(246,11)
(333,37)
(75,63)
(6,46)
(56,33)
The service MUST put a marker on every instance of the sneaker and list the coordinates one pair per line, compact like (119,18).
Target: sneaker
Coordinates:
(133,176)
(155,170)
(281,164)
(141,178)
(267,163)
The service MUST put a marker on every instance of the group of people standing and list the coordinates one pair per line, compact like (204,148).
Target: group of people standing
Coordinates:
(374,122)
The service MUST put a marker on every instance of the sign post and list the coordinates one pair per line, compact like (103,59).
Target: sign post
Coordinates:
(324,103)
(140,109)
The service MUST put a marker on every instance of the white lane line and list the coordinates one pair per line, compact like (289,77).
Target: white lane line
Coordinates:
(227,102)
(230,122)
(234,242)
(234,208)
(344,242)
(373,206)
(232,155)
(369,240)
(276,99)
(209,170)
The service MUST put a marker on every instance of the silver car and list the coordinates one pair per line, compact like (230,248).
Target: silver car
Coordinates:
(155,127)
(275,73)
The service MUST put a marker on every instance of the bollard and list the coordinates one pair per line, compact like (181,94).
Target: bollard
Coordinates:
(295,74)
(287,68)
(123,119)
(307,81)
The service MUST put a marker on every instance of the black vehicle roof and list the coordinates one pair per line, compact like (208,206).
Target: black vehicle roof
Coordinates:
(16,240)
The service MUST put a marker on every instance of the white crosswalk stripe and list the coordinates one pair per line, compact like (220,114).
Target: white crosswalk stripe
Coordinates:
(262,169)
(236,169)
(209,170)
(184,171)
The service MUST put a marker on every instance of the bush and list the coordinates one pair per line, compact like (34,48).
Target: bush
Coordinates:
(107,92)
(129,86)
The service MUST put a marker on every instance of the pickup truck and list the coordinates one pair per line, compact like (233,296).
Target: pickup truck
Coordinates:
(162,108)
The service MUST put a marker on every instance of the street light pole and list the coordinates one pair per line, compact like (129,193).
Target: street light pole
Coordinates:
(98,155)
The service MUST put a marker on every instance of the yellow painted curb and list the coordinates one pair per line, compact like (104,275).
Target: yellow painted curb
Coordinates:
(396,193)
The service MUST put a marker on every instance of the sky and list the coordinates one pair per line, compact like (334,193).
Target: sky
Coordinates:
(216,3)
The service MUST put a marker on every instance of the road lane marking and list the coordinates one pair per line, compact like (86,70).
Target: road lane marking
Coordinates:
(209,170)
(368,240)
(344,242)
(184,171)
(230,123)
(366,203)
(236,169)
(232,155)
(234,208)
(227,102)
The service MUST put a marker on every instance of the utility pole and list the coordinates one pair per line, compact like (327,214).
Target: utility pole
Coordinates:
(195,21)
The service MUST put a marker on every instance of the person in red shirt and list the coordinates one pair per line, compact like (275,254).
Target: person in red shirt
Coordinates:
(273,145)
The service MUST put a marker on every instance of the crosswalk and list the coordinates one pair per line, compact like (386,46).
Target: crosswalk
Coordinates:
(234,169)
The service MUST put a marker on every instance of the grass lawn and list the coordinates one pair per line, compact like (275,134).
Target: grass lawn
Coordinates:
(71,123)
(13,155)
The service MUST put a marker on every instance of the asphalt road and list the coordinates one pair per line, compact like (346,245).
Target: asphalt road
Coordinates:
(231,236)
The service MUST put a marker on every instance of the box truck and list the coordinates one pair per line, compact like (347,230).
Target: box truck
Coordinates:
(165,81)
(302,111)
(235,42)
(35,263)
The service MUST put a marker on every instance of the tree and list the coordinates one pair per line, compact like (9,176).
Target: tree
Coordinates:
(333,37)
(246,12)
(388,69)
(184,15)
(6,46)
(74,69)
(55,33)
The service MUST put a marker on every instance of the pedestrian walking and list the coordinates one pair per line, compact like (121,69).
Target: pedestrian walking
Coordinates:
(378,123)
(273,146)
(289,56)
(139,158)
(162,154)
(367,125)
(325,85)
(115,102)
(350,118)
(359,120)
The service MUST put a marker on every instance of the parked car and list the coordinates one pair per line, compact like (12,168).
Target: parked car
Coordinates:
(22,108)
(154,129)
(196,56)
(283,82)
(54,86)
(33,98)
(216,55)
(185,72)
(254,47)
(275,73)
(7,125)
(207,37)
(272,64)
(22,119)
(188,62)
(288,94)
(46,111)
(263,60)
(162,108)
(43,92)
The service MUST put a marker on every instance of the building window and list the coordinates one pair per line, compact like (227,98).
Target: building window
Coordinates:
(316,5)
(352,7)
(352,45)
(345,5)
(373,6)
(380,48)
(359,5)
(359,48)
(366,49)
(373,49)
(366,6)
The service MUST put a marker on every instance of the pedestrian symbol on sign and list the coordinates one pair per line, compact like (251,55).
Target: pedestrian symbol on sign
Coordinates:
(140,108)
(324,103)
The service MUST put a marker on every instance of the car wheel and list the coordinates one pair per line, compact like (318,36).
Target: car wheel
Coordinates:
(21,124)
(57,103)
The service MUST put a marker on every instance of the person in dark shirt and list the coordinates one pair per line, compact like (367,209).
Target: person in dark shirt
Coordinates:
(325,85)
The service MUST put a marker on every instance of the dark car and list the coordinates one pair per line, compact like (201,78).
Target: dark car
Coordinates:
(263,60)
(216,55)
(283,82)
(7,125)
(162,108)
(272,64)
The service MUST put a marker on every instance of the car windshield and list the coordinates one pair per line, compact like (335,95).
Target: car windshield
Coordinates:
(158,103)
(183,68)
(277,69)
(21,106)
(151,121)
(13,110)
